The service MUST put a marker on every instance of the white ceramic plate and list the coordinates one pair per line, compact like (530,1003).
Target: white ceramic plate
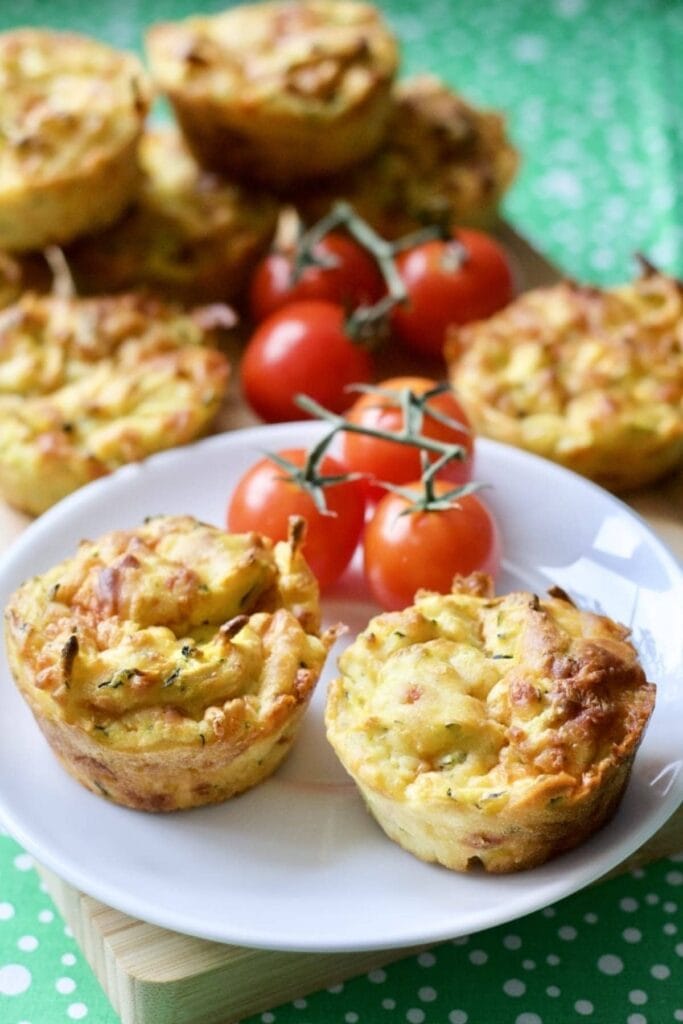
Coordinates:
(297,863)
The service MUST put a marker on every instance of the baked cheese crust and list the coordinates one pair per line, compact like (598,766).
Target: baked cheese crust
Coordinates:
(489,731)
(87,385)
(282,91)
(189,235)
(71,113)
(169,666)
(590,378)
(444,162)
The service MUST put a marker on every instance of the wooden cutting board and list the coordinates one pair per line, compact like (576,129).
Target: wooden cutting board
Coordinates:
(155,976)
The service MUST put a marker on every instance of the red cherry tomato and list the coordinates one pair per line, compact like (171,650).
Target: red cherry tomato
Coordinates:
(397,463)
(302,349)
(264,500)
(449,284)
(353,279)
(408,550)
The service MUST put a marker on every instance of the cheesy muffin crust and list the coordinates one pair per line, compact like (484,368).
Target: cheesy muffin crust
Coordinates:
(71,112)
(189,235)
(170,665)
(87,385)
(489,731)
(444,161)
(590,378)
(279,92)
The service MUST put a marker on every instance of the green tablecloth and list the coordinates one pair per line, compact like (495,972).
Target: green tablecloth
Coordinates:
(593,94)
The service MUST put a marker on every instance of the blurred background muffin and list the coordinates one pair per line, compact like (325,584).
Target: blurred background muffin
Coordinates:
(71,111)
(88,385)
(189,234)
(590,378)
(444,161)
(279,92)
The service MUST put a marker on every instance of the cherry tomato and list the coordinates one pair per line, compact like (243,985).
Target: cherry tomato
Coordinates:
(449,284)
(408,550)
(398,463)
(353,280)
(302,348)
(264,500)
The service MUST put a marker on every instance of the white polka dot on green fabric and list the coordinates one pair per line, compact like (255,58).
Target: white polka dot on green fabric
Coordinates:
(478,957)
(610,964)
(6,911)
(514,988)
(14,979)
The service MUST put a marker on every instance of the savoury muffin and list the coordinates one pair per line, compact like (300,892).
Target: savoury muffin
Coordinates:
(189,235)
(592,379)
(488,731)
(444,162)
(279,92)
(87,385)
(71,113)
(169,666)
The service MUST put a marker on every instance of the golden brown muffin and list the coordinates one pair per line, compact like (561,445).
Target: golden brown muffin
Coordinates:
(169,666)
(486,731)
(189,235)
(444,162)
(71,113)
(592,379)
(279,92)
(87,385)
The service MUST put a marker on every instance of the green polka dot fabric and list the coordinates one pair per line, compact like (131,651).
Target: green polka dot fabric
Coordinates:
(593,96)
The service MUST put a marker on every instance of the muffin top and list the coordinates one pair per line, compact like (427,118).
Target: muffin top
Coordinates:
(49,341)
(173,633)
(323,55)
(489,701)
(571,369)
(65,103)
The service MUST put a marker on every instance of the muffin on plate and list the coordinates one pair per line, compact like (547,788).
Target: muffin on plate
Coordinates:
(71,112)
(279,92)
(189,234)
(170,665)
(590,378)
(444,162)
(486,731)
(87,385)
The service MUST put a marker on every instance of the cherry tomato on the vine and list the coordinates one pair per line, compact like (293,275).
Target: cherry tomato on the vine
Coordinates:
(408,550)
(398,463)
(352,280)
(302,348)
(449,282)
(264,500)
